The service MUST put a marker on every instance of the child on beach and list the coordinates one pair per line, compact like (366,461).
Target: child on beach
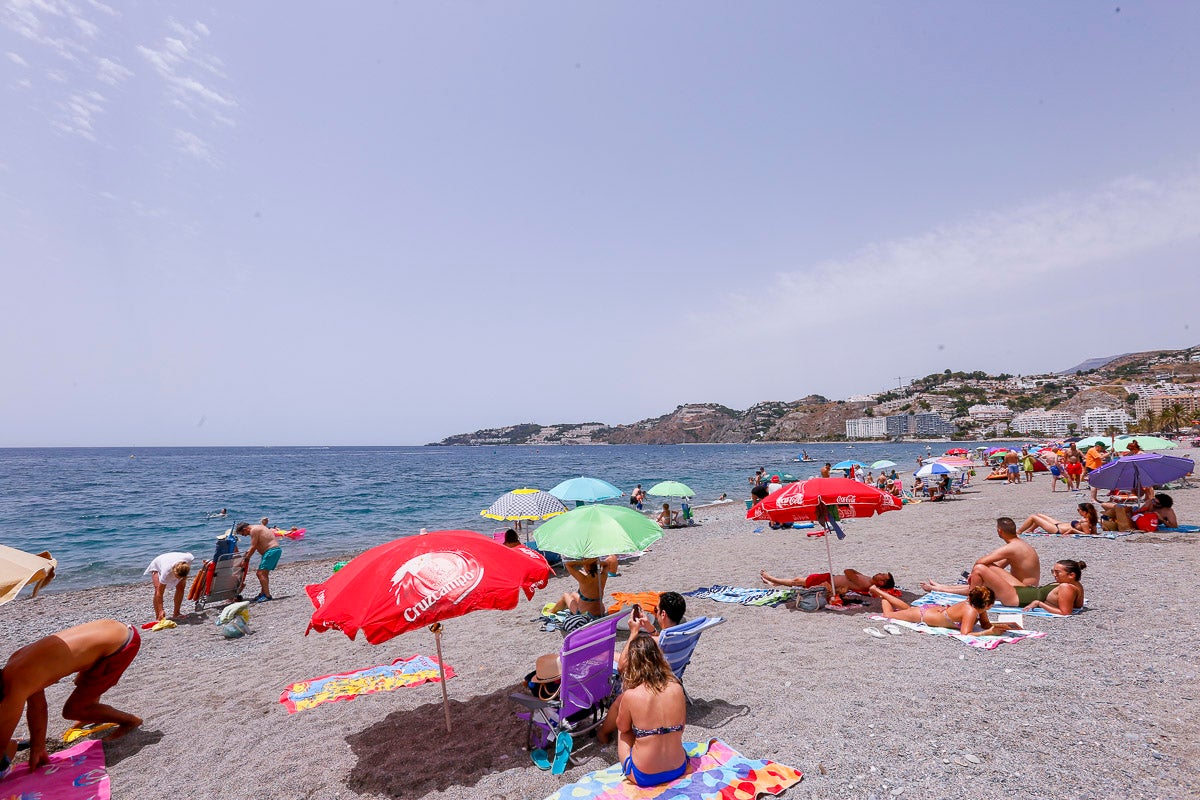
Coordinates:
(99,651)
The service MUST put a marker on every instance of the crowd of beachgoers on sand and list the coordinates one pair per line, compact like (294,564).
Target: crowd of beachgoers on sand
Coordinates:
(970,644)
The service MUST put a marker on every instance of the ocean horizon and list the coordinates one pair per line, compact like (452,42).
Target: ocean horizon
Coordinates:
(104,513)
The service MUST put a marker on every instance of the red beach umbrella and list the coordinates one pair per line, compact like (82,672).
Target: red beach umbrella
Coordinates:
(419,581)
(799,502)
(810,500)
(956,451)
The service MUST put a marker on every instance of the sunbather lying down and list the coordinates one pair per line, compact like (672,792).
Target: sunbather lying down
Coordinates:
(850,580)
(961,616)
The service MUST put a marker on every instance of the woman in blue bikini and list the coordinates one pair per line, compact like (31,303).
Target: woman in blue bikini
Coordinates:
(652,715)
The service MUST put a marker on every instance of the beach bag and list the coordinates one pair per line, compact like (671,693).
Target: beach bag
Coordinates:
(811,599)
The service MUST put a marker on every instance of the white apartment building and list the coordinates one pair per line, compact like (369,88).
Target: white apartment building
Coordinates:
(989,412)
(1157,402)
(1097,420)
(866,428)
(1051,423)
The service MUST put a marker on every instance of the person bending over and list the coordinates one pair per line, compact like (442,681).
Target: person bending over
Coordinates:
(850,580)
(1088,523)
(168,571)
(1013,563)
(962,616)
(264,541)
(652,714)
(99,651)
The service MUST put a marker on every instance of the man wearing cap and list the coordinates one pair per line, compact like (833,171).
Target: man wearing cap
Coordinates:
(1096,457)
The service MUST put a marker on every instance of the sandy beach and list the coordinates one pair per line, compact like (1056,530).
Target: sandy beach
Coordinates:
(1102,706)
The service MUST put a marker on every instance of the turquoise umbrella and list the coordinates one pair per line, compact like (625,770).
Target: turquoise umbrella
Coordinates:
(884,464)
(847,464)
(585,490)
(596,531)
(670,489)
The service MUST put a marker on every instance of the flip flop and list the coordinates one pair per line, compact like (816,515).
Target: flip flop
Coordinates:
(76,732)
(563,745)
(540,759)
(874,632)
(892,629)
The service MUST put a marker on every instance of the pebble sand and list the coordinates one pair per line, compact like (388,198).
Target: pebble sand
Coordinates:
(1103,706)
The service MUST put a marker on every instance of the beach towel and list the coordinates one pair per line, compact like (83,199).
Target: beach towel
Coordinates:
(715,770)
(948,599)
(1100,535)
(744,597)
(411,671)
(647,600)
(76,773)
(1179,529)
(971,640)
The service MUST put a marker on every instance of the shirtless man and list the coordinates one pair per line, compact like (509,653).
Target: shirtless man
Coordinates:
(99,651)
(1015,563)
(263,541)
(850,580)
(1012,463)
(826,470)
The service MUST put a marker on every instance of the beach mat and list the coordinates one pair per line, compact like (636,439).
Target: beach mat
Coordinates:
(403,672)
(647,600)
(76,773)
(715,770)
(971,640)
(743,597)
(1117,534)
(949,599)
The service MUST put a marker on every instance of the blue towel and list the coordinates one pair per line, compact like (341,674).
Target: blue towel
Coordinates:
(1181,529)
(744,597)
(949,599)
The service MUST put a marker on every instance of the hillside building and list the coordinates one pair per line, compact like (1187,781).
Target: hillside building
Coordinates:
(1098,420)
(1051,423)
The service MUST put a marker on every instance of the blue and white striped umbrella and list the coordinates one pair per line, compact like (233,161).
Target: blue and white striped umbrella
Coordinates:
(934,468)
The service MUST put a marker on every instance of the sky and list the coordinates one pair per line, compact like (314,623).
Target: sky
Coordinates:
(276,224)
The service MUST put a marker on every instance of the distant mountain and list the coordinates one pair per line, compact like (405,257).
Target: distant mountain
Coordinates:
(1091,363)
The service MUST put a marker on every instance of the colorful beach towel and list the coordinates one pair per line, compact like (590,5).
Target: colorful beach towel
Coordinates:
(1180,529)
(647,600)
(76,773)
(948,599)
(744,597)
(971,640)
(412,671)
(715,770)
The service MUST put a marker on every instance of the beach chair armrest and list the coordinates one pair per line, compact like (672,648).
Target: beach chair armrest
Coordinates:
(530,702)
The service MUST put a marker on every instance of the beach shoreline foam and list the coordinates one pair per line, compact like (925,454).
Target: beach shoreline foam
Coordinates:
(1100,706)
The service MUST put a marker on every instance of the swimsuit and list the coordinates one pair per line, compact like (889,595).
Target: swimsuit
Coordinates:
(1014,469)
(653,778)
(584,598)
(104,674)
(923,609)
(645,779)
(270,559)
(1027,594)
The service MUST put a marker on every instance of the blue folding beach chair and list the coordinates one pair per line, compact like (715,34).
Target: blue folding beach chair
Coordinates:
(585,689)
(678,644)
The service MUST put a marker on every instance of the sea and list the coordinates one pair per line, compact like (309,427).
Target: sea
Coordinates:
(104,513)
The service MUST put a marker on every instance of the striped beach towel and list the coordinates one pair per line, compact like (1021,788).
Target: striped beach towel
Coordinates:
(982,642)
(743,597)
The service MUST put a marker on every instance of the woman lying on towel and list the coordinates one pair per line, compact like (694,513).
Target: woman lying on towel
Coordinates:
(960,616)
(652,713)
(1088,523)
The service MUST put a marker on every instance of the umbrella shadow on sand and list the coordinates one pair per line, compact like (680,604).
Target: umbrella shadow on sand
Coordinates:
(713,714)
(408,754)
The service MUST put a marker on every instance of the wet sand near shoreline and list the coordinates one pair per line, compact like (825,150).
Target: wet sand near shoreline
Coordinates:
(1103,706)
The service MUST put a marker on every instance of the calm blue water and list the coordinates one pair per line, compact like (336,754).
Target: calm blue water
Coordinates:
(105,513)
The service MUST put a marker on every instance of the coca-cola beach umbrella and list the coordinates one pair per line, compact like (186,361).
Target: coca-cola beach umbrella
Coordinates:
(419,581)
(812,499)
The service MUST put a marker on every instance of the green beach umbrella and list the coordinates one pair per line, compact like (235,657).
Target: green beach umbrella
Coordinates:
(884,464)
(1145,442)
(1091,441)
(670,489)
(596,531)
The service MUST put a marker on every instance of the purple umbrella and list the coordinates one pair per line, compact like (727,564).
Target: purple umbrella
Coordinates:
(1135,472)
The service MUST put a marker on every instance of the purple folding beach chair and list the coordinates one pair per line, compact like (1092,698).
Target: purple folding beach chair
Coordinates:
(586,687)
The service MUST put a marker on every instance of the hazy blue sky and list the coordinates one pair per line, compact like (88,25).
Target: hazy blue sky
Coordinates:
(280,223)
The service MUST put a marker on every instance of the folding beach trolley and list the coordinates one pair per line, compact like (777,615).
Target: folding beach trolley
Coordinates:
(222,579)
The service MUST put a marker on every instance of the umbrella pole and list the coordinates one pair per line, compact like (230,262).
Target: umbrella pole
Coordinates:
(829,555)
(437,636)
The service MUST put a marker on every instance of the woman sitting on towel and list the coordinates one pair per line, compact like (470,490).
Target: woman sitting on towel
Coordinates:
(961,616)
(653,710)
(1087,524)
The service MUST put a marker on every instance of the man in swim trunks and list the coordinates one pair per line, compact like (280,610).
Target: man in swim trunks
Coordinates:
(1013,466)
(1074,470)
(263,541)
(99,651)
(1015,563)
(850,580)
